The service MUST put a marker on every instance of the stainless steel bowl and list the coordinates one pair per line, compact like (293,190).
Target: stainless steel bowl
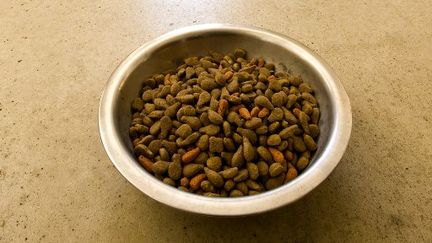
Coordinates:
(164,52)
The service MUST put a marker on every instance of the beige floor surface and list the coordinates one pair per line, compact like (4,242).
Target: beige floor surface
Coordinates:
(58,185)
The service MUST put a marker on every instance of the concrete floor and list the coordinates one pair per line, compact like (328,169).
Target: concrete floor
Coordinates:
(58,185)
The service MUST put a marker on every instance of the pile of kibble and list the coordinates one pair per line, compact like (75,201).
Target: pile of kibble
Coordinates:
(225,125)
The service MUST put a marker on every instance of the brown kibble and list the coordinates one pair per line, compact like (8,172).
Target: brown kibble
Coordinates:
(299,144)
(253,185)
(207,186)
(229,173)
(252,170)
(245,113)
(225,125)
(263,112)
(236,193)
(277,155)
(275,182)
(289,131)
(262,168)
(309,142)
(190,170)
(302,163)
(190,155)
(254,112)
(160,167)
(314,130)
(303,119)
(146,163)
(214,177)
(242,175)
(169,181)
(288,155)
(223,105)
(265,153)
(238,157)
(275,169)
(291,174)
(248,150)
(241,186)
(315,115)
(195,182)
(175,170)
(228,75)
(215,117)
(184,182)
(274,140)
(229,185)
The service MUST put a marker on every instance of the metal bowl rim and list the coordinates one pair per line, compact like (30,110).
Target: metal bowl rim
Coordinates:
(269,200)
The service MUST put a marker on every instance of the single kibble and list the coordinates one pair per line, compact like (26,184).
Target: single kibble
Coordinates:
(291,174)
(203,98)
(289,132)
(254,112)
(313,130)
(175,170)
(224,125)
(163,153)
(146,163)
(215,117)
(169,181)
(275,182)
(229,173)
(248,150)
(274,140)
(195,182)
(216,179)
(203,142)
(184,131)
(245,113)
(241,175)
(309,142)
(253,185)
(265,153)
(229,185)
(193,121)
(190,155)
(137,104)
(236,193)
(241,186)
(262,168)
(253,123)
(229,144)
(299,145)
(216,145)
(160,167)
(207,186)
(264,102)
(276,155)
(275,169)
(210,130)
(264,112)
(238,157)
(279,99)
(190,170)
(141,149)
(214,163)
(277,114)
(201,158)
(252,170)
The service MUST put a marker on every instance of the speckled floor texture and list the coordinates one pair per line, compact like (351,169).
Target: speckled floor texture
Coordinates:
(58,185)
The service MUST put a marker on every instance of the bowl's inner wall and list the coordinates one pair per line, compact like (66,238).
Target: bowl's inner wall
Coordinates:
(168,56)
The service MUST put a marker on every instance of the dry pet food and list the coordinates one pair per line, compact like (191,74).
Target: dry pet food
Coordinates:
(225,125)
